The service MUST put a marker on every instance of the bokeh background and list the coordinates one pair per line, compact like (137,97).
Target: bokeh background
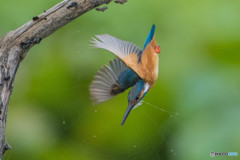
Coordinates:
(194,107)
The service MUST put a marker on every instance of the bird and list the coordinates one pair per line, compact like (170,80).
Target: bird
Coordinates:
(132,67)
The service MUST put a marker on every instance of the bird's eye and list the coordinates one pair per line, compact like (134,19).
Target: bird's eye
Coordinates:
(137,98)
(157,49)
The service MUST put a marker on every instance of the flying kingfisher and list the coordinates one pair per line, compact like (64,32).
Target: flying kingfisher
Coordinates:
(133,67)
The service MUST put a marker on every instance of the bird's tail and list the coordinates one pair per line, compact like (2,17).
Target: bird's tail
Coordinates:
(105,85)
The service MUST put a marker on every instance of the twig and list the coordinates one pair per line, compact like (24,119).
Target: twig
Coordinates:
(102,9)
(120,1)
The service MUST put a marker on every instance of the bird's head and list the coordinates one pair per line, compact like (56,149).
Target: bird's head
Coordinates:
(135,95)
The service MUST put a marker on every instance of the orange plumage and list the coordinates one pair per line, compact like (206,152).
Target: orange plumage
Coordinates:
(147,68)
(134,68)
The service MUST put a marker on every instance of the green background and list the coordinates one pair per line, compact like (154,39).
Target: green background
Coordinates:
(194,107)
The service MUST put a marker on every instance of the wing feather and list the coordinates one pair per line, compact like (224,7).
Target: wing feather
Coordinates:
(117,46)
(106,81)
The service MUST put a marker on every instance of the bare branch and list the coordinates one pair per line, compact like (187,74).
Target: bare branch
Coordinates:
(15,45)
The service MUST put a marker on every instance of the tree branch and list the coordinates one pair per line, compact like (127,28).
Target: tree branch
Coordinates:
(15,45)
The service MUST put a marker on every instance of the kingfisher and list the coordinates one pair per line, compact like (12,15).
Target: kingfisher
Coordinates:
(133,67)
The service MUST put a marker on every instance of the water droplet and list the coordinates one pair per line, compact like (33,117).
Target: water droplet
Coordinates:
(64,122)
(173,152)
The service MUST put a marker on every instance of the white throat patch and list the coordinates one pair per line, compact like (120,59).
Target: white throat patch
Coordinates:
(146,87)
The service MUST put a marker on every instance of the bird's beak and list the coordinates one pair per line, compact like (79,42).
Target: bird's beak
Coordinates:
(130,107)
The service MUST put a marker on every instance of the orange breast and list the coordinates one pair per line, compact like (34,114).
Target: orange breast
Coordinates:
(147,69)
(149,65)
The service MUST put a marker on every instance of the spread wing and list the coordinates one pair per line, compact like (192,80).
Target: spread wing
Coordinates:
(112,80)
(128,52)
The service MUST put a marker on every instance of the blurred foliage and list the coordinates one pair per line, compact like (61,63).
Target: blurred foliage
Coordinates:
(195,102)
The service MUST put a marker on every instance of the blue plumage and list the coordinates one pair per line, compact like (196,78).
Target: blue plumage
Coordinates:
(112,80)
(127,78)
(135,91)
(150,36)
(122,74)
(133,96)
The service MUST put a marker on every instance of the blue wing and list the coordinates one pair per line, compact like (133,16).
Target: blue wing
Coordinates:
(112,80)
(150,36)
